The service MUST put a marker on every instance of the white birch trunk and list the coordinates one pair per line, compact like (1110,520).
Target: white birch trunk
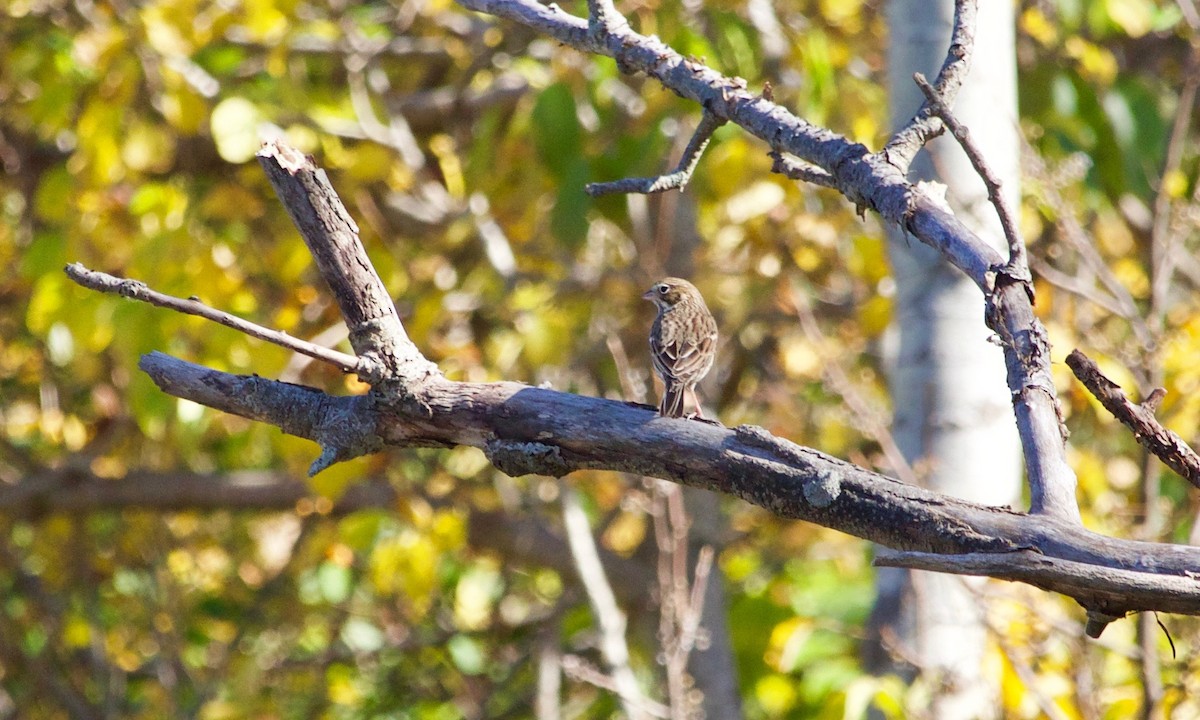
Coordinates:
(953,417)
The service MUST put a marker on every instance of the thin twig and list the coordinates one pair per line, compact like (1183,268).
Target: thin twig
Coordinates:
(795,169)
(1163,443)
(927,124)
(138,290)
(609,617)
(578,668)
(694,614)
(632,387)
(1162,240)
(1018,266)
(1078,287)
(678,178)
(671,525)
(1073,233)
(839,382)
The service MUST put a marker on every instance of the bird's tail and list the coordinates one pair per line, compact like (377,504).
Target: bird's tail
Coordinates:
(672,401)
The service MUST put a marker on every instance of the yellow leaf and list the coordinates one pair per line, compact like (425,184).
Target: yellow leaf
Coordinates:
(235,126)
(800,358)
(1175,183)
(626,532)
(777,694)
(1036,25)
(1133,16)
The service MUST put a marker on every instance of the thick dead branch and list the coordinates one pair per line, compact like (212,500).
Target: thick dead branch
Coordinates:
(1161,442)
(536,430)
(871,181)
(1030,566)
(376,334)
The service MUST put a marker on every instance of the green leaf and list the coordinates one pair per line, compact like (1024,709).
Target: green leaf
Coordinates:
(466,653)
(334,582)
(556,131)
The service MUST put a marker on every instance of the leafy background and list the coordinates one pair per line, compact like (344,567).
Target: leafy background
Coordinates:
(127,133)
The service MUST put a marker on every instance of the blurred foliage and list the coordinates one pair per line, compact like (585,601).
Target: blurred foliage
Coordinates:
(461,146)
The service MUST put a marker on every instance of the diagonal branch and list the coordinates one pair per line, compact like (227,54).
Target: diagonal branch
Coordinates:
(676,179)
(1017,269)
(871,181)
(609,617)
(137,290)
(1161,442)
(927,124)
(525,430)
(376,334)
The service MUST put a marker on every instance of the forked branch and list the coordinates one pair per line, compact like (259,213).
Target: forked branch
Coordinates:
(1161,442)
(674,180)
(872,181)
(537,430)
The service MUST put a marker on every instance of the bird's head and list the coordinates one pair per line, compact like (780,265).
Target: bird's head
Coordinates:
(669,292)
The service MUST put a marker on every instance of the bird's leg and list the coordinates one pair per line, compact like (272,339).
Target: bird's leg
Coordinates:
(696,401)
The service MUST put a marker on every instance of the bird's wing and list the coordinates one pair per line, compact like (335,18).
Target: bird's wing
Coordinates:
(681,356)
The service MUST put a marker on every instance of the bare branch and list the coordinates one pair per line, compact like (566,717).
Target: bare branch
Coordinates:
(1029,566)
(1162,240)
(536,430)
(1017,269)
(1073,233)
(609,618)
(577,667)
(137,290)
(1161,442)
(677,179)
(926,124)
(1079,287)
(376,334)
(338,424)
(794,169)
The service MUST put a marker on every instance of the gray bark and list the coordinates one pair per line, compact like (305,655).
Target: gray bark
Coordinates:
(953,418)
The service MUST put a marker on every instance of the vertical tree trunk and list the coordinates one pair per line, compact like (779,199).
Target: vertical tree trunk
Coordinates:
(711,665)
(953,417)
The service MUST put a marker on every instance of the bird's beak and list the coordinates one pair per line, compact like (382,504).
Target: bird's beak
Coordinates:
(648,295)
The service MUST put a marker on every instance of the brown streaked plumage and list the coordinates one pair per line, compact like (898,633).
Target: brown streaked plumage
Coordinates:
(683,342)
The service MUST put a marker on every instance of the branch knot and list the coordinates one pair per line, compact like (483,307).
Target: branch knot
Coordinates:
(526,458)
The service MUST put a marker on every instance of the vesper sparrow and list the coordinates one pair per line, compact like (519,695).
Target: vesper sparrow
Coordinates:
(683,342)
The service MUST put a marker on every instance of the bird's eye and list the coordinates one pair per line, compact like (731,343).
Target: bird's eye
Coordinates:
(663,288)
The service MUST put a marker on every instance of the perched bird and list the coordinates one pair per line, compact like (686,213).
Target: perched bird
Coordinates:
(683,342)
